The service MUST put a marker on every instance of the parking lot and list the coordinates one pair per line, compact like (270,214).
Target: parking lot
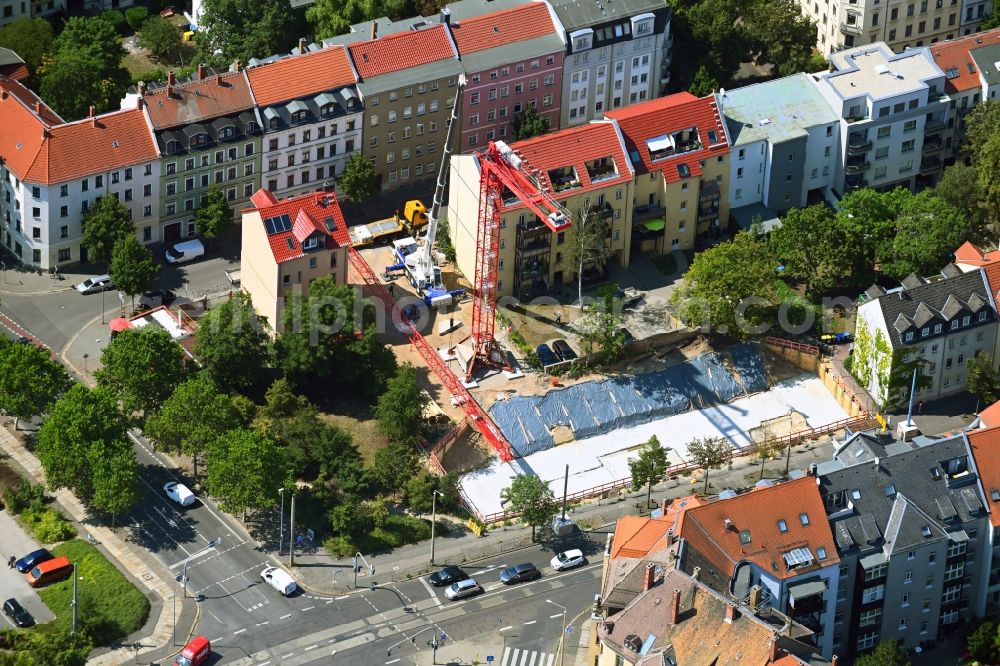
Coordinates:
(17,542)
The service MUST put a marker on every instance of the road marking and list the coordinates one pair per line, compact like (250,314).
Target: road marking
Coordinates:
(226,580)
(265,663)
(342,597)
(530,622)
(330,601)
(311,647)
(239,631)
(216,640)
(284,616)
(393,661)
(286,656)
(430,589)
(307,608)
(206,559)
(507,627)
(165,532)
(552,617)
(261,624)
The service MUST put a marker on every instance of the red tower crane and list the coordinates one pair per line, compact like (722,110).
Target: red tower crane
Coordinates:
(503,172)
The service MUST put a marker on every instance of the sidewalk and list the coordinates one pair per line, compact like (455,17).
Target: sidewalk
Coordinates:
(16,280)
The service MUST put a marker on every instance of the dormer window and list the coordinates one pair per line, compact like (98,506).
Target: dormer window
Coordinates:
(173,147)
(227,133)
(250,128)
(982,316)
(299,116)
(925,331)
(965,320)
(937,328)
(327,109)
(310,243)
(909,336)
(273,123)
(199,139)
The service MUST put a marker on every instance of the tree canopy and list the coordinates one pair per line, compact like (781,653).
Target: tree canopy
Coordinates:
(329,18)
(133,268)
(215,218)
(709,452)
(31,39)
(392,466)
(244,29)
(649,466)
(30,380)
(358,180)
(400,410)
(529,123)
(886,653)
(981,379)
(244,470)
(160,36)
(532,499)
(141,368)
(811,246)
(103,225)
(232,342)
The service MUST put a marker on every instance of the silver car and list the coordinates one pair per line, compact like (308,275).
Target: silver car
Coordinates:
(95,284)
(462,589)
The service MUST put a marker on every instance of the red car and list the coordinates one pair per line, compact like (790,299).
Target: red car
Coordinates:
(195,653)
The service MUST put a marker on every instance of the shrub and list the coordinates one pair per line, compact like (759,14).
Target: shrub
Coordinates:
(115,19)
(48,525)
(136,16)
(24,496)
(339,546)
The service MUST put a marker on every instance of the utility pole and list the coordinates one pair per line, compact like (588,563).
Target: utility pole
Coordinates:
(562,633)
(565,491)
(433,521)
(357,568)
(291,534)
(281,530)
(73,630)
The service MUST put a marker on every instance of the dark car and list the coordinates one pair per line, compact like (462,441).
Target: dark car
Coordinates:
(562,348)
(16,612)
(519,573)
(32,560)
(156,298)
(447,576)
(545,355)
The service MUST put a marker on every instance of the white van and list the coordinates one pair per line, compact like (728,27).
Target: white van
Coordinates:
(184,252)
(279,579)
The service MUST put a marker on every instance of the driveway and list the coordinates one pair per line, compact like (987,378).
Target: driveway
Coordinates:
(12,584)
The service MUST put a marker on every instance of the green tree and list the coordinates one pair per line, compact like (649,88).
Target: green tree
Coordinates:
(981,642)
(329,18)
(649,466)
(30,381)
(215,219)
(987,165)
(244,29)
(233,344)
(887,653)
(160,37)
(136,16)
(959,187)
(704,83)
(530,497)
(991,21)
(85,68)
(981,123)
(709,452)
(115,473)
(867,219)
(104,224)
(982,380)
(192,418)
(312,448)
(420,492)
(280,401)
(31,39)
(719,30)
(133,268)
(928,230)
(601,327)
(781,35)
(810,244)
(400,410)
(392,466)
(358,181)
(765,449)
(141,368)
(529,123)
(82,428)
(244,469)
(588,244)
(727,284)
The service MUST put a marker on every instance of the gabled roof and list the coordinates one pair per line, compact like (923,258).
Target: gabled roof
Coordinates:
(308,214)
(748,527)
(502,28)
(11,65)
(193,101)
(573,147)
(681,111)
(301,75)
(985,445)
(403,50)
(94,145)
(954,58)
(22,130)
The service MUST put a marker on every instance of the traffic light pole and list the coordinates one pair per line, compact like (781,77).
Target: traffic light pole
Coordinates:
(357,568)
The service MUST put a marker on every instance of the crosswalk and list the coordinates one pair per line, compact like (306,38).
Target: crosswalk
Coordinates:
(518,657)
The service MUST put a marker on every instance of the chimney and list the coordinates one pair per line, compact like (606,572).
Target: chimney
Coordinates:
(374,33)
(218,79)
(728,524)
(171,79)
(38,108)
(665,504)
(141,87)
(731,613)
(648,577)
(670,538)
(775,650)
(445,16)
(3,94)
(675,607)
(201,71)
(302,45)
(92,111)
(139,102)
(696,573)
(46,133)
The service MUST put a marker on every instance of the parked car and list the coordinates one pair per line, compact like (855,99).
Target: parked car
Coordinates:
(568,559)
(195,653)
(49,571)
(156,298)
(280,580)
(462,589)
(447,576)
(95,284)
(563,349)
(184,252)
(520,573)
(16,612)
(179,493)
(32,559)
(545,355)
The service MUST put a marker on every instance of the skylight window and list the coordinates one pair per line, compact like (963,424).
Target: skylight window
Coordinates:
(821,553)
(804,517)
(683,171)
(782,526)
(925,530)
(995,495)
(798,557)
(890,491)
(745,537)
(856,494)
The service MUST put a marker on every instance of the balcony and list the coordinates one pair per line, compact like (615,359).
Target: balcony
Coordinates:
(708,213)
(564,178)
(858,144)
(855,183)
(531,270)
(647,212)
(709,191)
(854,30)
(930,165)
(601,169)
(933,146)
(603,212)
(934,125)
(534,246)
(856,167)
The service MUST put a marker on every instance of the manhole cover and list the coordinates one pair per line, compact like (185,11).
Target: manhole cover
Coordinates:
(147,576)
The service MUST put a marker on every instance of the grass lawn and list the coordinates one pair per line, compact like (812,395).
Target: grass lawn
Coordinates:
(364,432)
(109,606)
(138,63)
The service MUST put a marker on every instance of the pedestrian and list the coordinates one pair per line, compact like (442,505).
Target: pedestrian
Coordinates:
(10,562)
(920,407)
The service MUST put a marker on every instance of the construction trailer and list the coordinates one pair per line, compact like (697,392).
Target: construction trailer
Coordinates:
(413,219)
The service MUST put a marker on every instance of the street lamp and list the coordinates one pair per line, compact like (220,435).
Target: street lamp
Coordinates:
(433,521)
(281,532)
(184,577)
(562,632)
(357,568)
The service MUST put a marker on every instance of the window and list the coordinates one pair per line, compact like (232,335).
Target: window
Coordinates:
(782,526)
(902,623)
(951,593)
(804,517)
(907,577)
(905,600)
(867,640)
(877,571)
(954,571)
(872,594)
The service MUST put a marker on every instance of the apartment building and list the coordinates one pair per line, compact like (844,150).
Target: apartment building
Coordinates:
(969,66)
(54,171)
(892,111)
(407,83)
(900,24)
(585,169)
(968,258)
(984,443)
(785,147)
(208,133)
(942,323)
(616,54)
(14,10)
(973,13)
(312,118)
(512,59)
(286,245)
(770,547)
(912,531)
(679,148)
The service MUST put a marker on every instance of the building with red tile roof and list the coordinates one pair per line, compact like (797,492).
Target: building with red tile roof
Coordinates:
(513,59)
(402,51)
(582,167)
(775,537)
(990,417)
(682,141)
(12,66)
(969,257)
(312,119)
(289,243)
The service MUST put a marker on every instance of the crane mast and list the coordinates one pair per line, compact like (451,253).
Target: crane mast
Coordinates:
(502,170)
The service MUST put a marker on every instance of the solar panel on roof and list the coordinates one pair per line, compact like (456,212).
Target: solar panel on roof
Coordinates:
(797,556)
(291,243)
(278,224)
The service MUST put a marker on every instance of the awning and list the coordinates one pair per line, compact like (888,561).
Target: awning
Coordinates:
(296,106)
(873,560)
(803,590)
(119,324)
(658,143)
(958,536)
(655,225)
